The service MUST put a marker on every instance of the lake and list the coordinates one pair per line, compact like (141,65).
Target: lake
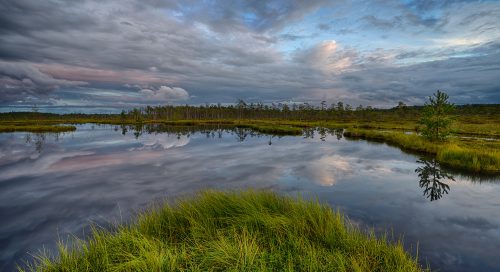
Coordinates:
(55,185)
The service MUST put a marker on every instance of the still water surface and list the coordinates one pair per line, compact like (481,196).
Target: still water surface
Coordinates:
(55,185)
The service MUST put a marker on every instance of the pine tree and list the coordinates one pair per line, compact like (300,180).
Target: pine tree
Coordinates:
(436,117)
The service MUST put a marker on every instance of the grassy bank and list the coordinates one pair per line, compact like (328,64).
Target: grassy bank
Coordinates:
(466,154)
(268,127)
(471,155)
(475,120)
(247,231)
(276,129)
(36,128)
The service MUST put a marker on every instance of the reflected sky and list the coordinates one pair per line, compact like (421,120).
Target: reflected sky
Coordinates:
(55,185)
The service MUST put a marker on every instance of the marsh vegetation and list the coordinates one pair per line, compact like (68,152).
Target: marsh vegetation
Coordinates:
(182,237)
(436,122)
(244,231)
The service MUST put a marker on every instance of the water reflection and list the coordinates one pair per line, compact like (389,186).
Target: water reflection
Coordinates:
(212,131)
(49,189)
(324,132)
(432,179)
(38,139)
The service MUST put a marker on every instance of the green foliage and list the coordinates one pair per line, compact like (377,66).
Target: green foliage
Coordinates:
(35,128)
(436,117)
(275,129)
(473,114)
(246,231)
(460,154)
(123,116)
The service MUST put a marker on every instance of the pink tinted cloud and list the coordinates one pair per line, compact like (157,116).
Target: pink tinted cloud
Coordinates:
(105,75)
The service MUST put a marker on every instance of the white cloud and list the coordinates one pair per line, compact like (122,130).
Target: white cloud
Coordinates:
(164,93)
(326,57)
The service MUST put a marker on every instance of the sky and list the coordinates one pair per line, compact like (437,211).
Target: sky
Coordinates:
(104,56)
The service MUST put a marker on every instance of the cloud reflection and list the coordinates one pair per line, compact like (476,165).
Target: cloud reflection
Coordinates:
(160,142)
(89,175)
(325,170)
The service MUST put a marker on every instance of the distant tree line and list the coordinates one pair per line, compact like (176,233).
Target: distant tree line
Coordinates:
(243,110)
(300,112)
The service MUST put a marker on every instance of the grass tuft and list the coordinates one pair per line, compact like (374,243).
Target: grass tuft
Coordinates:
(236,231)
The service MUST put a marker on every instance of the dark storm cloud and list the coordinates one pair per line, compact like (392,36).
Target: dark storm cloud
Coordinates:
(134,35)
(25,16)
(105,33)
(218,51)
(19,80)
(108,35)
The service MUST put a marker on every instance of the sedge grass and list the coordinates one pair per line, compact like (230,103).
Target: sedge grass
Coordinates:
(273,129)
(461,154)
(36,128)
(235,231)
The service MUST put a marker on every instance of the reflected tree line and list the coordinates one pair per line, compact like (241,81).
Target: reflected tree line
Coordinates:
(216,131)
(38,139)
(433,178)
(210,131)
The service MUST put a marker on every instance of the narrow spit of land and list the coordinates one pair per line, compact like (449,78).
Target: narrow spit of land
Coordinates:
(233,231)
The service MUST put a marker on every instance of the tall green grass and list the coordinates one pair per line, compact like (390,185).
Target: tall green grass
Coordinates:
(244,231)
(35,128)
(474,159)
(462,154)
(276,129)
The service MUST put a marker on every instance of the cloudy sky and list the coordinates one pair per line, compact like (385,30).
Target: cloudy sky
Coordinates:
(103,55)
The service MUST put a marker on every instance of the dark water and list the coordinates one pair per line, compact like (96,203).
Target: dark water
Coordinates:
(55,185)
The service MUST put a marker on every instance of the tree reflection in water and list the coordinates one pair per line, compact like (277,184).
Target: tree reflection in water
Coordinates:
(339,133)
(212,131)
(38,139)
(431,179)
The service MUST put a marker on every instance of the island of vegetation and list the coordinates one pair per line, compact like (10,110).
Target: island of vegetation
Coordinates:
(233,231)
(464,137)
